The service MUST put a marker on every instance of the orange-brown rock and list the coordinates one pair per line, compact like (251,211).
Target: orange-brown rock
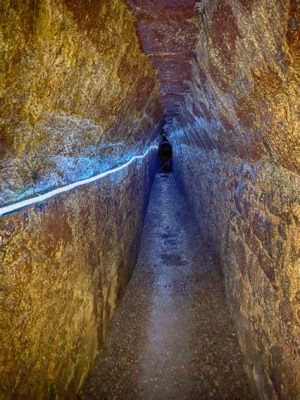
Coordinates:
(237,154)
(77,96)
(84,85)
(64,265)
(168,30)
(73,77)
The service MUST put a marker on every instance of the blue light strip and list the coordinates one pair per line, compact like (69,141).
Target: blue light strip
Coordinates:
(41,197)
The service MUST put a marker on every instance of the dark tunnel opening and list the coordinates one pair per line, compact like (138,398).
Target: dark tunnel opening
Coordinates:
(165,155)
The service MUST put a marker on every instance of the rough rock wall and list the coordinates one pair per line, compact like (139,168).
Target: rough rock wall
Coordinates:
(168,32)
(78,97)
(237,152)
(74,87)
(64,265)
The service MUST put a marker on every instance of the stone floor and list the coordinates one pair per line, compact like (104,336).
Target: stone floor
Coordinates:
(172,336)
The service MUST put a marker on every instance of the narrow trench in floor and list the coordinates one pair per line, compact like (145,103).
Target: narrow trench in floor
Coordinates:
(172,336)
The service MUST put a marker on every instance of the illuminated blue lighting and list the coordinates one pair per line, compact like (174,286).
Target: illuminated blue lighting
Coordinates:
(41,197)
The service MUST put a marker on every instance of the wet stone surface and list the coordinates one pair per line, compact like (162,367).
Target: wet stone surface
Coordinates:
(172,336)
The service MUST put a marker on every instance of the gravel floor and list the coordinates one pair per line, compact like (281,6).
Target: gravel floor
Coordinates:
(172,336)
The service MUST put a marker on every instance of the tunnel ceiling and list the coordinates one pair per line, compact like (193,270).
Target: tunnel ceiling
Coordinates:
(168,30)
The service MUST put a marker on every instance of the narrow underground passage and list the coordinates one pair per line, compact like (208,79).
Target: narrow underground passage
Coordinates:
(172,337)
(86,88)
(165,155)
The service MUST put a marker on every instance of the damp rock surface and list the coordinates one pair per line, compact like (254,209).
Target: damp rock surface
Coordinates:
(172,336)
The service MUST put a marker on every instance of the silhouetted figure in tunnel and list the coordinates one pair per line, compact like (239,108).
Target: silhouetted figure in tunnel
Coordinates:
(165,155)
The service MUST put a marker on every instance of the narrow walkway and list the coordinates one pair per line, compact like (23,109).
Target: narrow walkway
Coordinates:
(172,337)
